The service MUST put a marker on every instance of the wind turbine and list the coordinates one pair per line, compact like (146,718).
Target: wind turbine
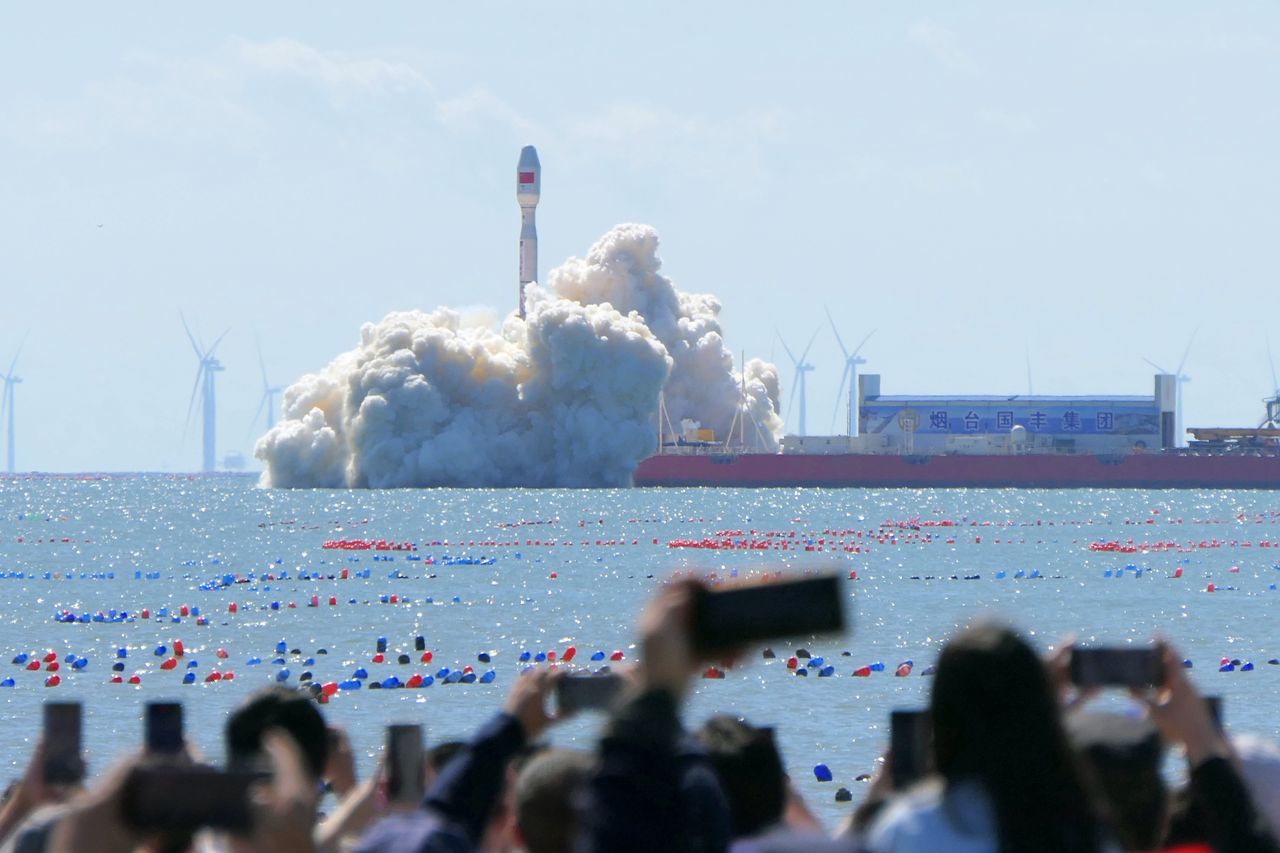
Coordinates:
(802,367)
(10,379)
(850,375)
(269,393)
(205,374)
(1272,420)
(1180,378)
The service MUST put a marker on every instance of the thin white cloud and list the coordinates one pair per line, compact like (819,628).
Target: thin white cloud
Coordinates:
(941,43)
(334,70)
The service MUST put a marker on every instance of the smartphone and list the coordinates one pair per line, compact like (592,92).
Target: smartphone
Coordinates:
(588,692)
(164,728)
(63,762)
(725,618)
(1213,704)
(911,741)
(1122,667)
(406,763)
(172,798)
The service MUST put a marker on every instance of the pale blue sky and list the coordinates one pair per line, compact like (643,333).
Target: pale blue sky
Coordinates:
(1090,183)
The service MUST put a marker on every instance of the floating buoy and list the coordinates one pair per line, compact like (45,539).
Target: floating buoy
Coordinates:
(844,795)
(822,773)
(1211,587)
(414,682)
(178,648)
(713,672)
(862,671)
(120,653)
(768,654)
(426,657)
(233,607)
(169,663)
(380,645)
(379,658)
(53,681)
(33,665)
(617,655)
(50,657)
(793,662)
(135,679)
(827,671)
(360,672)
(555,575)
(350,684)
(802,653)
(189,678)
(419,643)
(333,600)
(488,676)
(903,670)
(115,679)
(52,666)
(282,675)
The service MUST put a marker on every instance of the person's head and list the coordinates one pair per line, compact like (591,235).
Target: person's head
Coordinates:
(750,771)
(544,799)
(1124,754)
(996,722)
(439,756)
(279,708)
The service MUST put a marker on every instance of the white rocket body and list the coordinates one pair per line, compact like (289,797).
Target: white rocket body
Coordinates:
(528,191)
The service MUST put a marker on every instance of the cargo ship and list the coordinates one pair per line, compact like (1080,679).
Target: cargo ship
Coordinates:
(1018,441)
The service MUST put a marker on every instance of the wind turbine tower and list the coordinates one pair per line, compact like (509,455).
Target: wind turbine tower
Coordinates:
(6,406)
(204,385)
(802,367)
(269,394)
(1181,378)
(850,376)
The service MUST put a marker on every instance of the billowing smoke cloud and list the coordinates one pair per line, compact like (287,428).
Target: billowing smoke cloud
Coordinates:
(568,397)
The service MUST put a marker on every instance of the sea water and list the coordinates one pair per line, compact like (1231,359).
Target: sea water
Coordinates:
(509,571)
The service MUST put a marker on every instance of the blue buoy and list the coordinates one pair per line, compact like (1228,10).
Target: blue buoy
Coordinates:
(443,673)
(8,682)
(1186,663)
(524,657)
(360,672)
(161,651)
(427,681)
(21,657)
(1248,667)
(597,656)
(282,675)
(822,773)
(488,677)
(878,666)
(118,666)
(192,664)
(253,661)
(122,653)
(349,684)
(483,657)
(1227,667)
(381,644)
(282,647)
(454,677)
(391,683)
(540,657)
(81,663)
(827,671)
(189,678)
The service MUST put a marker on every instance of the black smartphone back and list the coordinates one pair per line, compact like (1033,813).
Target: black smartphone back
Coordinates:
(63,758)
(725,618)
(406,763)
(588,692)
(1117,667)
(164,728)
(911,741)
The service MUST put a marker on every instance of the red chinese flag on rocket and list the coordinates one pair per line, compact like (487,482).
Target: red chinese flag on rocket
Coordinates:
(526,177)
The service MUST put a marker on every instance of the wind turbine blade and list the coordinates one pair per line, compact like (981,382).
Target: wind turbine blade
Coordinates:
(1187,351)
(864,341)
(218,341)
(791,399)
(4,399)
(1275,383)
(14,364)
(195,389)
(1156,366)
(266,386)
(262,406)
(785,347)
(191,337)
(834,331)
(811,340)
(844,378)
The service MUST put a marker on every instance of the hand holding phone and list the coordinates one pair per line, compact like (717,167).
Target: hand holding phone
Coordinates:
(173,798)
(164,729)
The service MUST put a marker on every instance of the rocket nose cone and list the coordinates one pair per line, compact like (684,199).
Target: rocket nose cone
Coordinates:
(528,176)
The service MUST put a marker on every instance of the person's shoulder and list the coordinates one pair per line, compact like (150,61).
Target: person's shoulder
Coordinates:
(789,841)
(412,832)
(925,819)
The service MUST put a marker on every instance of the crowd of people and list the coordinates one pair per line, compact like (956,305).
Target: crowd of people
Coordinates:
(1016,762)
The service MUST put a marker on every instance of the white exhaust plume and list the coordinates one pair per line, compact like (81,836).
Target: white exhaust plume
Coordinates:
(567,397)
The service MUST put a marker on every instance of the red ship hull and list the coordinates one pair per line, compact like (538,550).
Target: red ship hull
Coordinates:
(1056,471)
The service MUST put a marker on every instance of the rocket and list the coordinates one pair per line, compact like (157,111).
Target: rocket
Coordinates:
(528,190)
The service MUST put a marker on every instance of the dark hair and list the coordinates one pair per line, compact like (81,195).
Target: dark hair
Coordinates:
(1124,755)
(750,771)
(442,753)
(544,799)
(277,707)
(996,721)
